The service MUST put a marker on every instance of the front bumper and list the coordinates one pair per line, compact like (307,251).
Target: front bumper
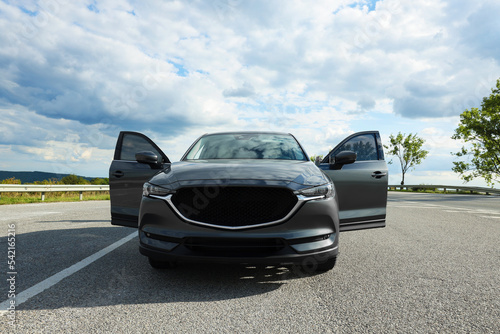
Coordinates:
(311,234)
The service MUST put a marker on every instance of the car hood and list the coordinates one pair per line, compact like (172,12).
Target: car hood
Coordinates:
(293,174)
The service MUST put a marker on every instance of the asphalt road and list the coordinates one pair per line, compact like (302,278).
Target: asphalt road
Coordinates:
(434,268)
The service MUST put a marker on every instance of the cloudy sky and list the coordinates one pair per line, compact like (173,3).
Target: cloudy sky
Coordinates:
(74,74)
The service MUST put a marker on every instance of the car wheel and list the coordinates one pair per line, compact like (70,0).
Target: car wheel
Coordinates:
(313,267)
(158,264)
(328,265)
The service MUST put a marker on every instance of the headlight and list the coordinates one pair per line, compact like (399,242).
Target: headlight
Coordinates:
(325,191)
(149,189)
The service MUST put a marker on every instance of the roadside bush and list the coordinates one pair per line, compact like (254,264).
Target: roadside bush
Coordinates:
(423,189)
(50,181)
(11,180)
(73,179)
(100,181)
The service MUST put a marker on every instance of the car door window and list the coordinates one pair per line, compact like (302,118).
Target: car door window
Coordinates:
(365,147)
(132,144)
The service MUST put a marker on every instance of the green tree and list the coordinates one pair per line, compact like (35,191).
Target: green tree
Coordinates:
(409,151)
(313,158)
(480,128)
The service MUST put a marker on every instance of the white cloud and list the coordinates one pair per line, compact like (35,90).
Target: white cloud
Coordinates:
(439,141)
(177,69)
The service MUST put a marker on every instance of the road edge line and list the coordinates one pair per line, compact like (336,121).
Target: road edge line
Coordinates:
(56,278)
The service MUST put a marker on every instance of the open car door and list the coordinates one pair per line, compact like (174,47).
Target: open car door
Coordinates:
(133,164)
(361,185)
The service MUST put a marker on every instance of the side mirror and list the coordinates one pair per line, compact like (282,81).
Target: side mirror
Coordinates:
(146,157)
(317,160)
(343,158)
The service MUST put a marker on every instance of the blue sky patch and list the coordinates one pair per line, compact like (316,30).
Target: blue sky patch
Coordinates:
(181,71)
(368,3)
(29,12)
(93,8)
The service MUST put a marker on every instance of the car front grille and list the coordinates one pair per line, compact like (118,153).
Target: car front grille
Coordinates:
(234,247)
(234,206)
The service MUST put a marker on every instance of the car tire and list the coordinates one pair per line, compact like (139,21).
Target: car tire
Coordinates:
(158,264)
(313,267)
(327,265)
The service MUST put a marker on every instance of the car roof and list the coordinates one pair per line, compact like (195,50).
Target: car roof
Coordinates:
(247,132)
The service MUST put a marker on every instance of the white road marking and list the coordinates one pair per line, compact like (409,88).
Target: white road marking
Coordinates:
(450,209)
(56,278)
(26,215)
(494,217)
(414,206)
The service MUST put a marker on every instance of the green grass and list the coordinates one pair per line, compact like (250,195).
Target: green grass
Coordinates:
(21,198)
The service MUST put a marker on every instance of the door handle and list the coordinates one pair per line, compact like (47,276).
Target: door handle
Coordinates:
(118,173)
(378,174)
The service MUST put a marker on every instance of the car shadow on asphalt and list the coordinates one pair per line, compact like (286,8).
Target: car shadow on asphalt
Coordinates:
(125,277)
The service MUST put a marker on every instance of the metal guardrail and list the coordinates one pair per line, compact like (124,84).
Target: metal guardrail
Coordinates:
(484,190)
(43,188)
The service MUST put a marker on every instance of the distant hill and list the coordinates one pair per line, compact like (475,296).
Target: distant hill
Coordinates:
(30,177)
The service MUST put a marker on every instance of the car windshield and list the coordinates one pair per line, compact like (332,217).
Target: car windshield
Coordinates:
(246,146)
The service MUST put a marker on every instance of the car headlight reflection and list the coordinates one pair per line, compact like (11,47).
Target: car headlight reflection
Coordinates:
(323,191)
(149,189)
